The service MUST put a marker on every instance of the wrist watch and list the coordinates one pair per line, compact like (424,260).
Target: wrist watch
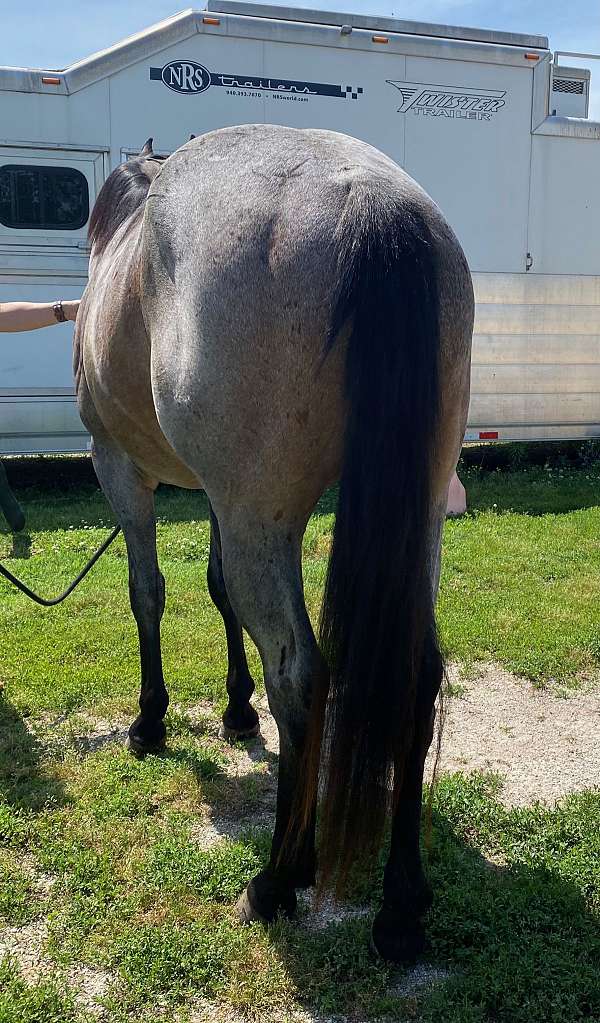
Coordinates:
(59,312)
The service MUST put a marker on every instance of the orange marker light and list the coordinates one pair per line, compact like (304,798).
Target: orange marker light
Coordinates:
(531,56)
(380,39)
(50,80)
(211,21)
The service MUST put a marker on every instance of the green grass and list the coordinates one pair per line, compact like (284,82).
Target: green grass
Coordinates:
(520,575)
(18,902)
(515,922)
(44,1002)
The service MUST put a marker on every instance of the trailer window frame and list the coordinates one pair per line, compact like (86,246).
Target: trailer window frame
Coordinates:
(44,223)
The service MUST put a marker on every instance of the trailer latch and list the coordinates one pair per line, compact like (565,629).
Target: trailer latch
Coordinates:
(528,261)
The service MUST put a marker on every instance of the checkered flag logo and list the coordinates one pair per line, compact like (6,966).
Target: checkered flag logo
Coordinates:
(353,92)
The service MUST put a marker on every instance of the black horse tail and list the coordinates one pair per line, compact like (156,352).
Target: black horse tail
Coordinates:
(377,630)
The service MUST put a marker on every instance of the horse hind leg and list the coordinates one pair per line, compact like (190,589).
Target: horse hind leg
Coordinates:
(262,569)
(132,501)
(240,720)
(398,932)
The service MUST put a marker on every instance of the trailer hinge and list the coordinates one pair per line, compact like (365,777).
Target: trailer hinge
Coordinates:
(528,261)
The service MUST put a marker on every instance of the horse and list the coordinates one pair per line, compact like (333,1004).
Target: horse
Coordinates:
(271,311)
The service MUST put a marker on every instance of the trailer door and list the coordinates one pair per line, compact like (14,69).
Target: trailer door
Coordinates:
(46,196)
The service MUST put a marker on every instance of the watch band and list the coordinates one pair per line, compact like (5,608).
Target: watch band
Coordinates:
(59,312)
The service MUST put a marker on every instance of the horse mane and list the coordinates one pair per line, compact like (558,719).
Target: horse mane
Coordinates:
(122,194)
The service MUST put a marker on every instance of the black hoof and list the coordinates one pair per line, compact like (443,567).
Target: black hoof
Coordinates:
(395,940)
(243,724)
(142,739)
(238,735)
(264,900)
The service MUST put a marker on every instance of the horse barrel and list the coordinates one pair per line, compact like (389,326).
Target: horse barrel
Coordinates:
(9,504)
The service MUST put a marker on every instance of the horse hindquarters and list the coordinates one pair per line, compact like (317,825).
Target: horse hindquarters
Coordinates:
(245,397)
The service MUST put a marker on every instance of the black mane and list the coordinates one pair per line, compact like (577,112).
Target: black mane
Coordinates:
(123,192)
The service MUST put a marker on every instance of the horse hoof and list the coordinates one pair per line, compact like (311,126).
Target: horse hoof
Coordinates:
(393,941)
(247,913)
(142,749)
(140,745)
(238,735)
(264,901)
(239,724)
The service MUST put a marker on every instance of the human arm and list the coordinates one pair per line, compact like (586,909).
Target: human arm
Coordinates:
(15,316)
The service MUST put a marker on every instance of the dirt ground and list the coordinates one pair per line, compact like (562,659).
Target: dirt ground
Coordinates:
(541,744)
(544,746)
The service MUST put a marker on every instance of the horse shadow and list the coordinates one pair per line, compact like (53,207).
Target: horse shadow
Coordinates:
(232,797)
(25,785)
(21,546)
(502,935)
(240,798)
(512,942)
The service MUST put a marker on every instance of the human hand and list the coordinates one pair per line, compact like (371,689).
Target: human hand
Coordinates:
(70,309)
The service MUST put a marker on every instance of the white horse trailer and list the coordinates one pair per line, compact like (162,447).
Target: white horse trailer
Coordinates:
(492,127)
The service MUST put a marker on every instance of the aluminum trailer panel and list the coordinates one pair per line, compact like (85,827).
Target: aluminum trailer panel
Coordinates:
(465,111)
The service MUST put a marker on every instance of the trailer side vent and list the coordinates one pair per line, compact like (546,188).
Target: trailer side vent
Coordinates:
(567,85)
(570,91)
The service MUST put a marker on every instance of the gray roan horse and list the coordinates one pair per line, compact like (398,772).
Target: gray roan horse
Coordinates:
(270,311)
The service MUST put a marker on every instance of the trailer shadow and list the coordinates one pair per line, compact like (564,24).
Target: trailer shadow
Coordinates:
(61,492)
(532,492)
(73,499)
(550,478)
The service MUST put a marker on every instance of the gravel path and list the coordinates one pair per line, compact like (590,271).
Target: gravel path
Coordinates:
(26,945)
(543,745)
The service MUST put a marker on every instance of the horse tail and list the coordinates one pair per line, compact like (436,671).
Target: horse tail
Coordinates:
(377,629)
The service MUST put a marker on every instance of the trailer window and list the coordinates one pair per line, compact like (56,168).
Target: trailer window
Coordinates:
(46,198)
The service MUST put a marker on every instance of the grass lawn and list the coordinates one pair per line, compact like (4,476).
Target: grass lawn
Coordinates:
(104,848)
(521,573)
